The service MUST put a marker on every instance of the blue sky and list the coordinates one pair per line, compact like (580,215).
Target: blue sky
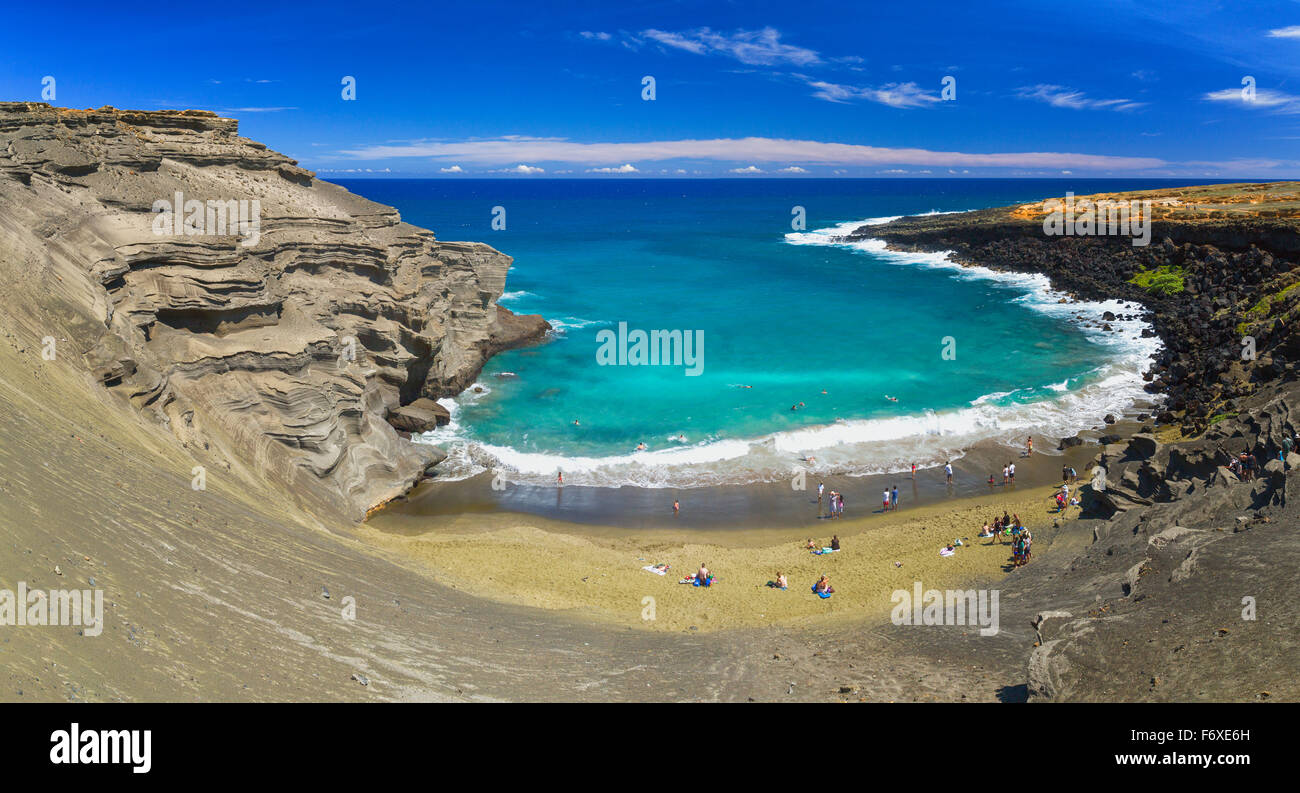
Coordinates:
(742,89)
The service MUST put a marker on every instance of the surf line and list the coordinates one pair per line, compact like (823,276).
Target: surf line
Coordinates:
(652,348)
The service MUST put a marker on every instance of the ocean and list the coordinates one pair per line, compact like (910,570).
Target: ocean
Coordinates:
(890,358)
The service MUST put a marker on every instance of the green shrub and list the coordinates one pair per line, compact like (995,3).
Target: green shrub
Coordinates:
(1164,280)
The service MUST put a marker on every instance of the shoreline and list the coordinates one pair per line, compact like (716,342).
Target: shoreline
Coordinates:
(738,508)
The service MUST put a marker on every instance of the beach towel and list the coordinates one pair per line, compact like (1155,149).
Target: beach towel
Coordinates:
(821,551)
(946,552)
(656,570)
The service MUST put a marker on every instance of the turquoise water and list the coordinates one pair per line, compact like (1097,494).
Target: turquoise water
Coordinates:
(783,316)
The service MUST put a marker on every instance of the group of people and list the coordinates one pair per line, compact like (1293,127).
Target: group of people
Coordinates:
(836,502)
(1244,466)
(1008,475)
(1010,526)
(1062,497)
(891,499)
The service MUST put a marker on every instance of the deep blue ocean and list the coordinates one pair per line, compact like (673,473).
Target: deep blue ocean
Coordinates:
(892,358)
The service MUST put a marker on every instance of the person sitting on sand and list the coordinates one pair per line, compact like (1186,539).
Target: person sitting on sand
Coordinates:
(780,581)
(824,585)
(835,542)
(703,574)
(812,546)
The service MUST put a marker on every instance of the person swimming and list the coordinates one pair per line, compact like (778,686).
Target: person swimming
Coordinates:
(640,447)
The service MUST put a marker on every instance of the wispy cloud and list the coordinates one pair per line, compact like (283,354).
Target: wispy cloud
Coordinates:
(1060,96)
(1291,32)
(904,95)
(452,169)
(1264,99)
(625,168)
(747,169)
(753,47)
(256,109)
(793,169)
(497,151)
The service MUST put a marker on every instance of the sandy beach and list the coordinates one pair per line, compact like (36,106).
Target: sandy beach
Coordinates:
(597,572)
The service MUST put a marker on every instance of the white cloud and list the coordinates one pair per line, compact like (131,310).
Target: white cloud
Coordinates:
(1292,32)
(1060,96)
(522,169)
(452,169)
(904,95)
(1265,99)
(496,151)
(754,47)
(747,169)
(627,168)
(793,169)
(587,34)
(255,109)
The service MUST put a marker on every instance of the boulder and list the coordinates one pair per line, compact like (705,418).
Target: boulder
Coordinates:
(410,418)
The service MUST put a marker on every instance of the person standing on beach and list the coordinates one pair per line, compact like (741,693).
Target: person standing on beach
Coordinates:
(886,498)
(1011,471)
(1029,446)
(893,499)
(913,470)
(1004,474)
(947,469)
(677,507)
(559,477)
(821,488)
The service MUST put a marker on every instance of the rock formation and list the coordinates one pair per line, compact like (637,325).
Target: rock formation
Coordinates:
(283,343)
(1226,320)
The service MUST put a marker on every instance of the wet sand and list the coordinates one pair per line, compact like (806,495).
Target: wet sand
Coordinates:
(740,507)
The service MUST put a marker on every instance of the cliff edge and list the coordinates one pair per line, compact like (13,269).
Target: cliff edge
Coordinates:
(269,320)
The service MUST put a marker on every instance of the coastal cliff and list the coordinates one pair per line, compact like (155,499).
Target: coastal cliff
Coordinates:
(274,330)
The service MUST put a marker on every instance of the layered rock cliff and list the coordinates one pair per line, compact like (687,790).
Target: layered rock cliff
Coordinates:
(280,345)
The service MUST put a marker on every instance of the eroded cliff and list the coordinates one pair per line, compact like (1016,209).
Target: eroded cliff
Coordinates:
(278,345)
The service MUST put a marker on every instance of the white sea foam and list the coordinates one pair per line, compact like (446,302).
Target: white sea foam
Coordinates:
(858,447)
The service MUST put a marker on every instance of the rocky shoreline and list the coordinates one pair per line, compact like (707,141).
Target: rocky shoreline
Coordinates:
(1237,275)
(1175,551)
